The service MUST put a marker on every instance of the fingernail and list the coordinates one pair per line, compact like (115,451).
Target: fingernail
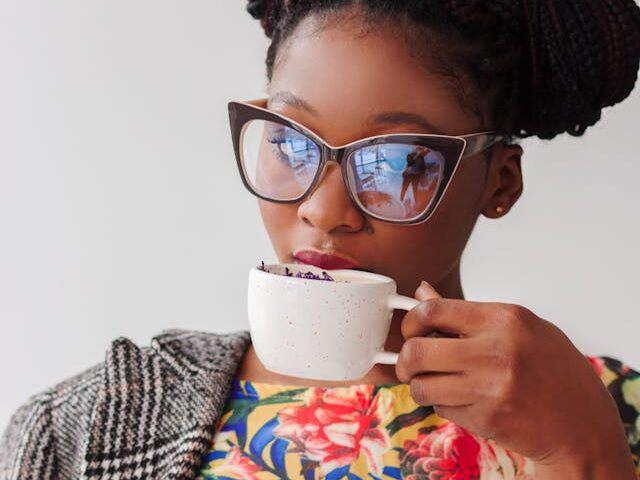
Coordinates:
(425,284)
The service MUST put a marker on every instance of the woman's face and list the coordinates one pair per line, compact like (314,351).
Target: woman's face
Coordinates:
(333,80)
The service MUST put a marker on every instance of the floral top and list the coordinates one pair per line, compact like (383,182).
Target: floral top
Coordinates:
(371,432)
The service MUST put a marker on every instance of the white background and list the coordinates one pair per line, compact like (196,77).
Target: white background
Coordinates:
(121,211)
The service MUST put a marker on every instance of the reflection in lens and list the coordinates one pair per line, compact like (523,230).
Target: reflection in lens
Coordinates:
(279,162)
(394,180)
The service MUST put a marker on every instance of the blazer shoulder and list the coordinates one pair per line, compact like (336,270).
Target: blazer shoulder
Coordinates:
(29,442)
(194,351)
(62,416)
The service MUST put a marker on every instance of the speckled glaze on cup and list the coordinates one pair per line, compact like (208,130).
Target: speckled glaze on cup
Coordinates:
(320,329)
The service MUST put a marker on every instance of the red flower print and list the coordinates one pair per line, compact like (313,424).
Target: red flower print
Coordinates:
(334,425)
(235,465)
(446,453)
(597,363)
(449,452)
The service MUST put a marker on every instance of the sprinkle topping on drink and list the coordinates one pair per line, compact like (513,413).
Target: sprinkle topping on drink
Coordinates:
(308,275)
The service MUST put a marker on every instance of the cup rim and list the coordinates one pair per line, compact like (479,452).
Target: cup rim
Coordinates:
(376,277)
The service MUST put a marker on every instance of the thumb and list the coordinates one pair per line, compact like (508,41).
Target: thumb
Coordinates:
(426,292)
(412,326)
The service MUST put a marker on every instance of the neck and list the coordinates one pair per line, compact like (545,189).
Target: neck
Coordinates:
(450,286)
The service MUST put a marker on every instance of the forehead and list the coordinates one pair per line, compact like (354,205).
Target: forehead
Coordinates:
(347,73)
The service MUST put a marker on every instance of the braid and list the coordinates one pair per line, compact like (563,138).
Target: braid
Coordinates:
(268,12)
(583,57)
(536,67)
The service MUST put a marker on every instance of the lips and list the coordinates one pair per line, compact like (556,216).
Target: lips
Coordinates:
(326,261)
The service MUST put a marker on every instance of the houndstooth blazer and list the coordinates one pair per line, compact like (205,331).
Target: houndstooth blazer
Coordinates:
(144,413)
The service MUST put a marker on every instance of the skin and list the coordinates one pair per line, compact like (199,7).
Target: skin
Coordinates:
(503,373)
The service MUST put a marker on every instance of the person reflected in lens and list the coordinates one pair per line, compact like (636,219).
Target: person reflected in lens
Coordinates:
(422,173)
(414,170)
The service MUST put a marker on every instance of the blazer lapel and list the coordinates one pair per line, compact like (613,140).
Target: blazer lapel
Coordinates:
(157,406)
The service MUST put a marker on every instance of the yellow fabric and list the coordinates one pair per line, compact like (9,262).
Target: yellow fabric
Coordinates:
(361,431)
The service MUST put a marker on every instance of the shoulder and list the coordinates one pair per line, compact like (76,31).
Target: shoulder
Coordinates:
(28,441)
(184,350)
(195,350)
(61,414)
(623,383)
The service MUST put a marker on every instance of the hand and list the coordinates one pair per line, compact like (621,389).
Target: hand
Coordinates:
(505,374)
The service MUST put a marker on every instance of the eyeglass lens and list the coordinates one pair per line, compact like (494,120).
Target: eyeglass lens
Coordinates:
(395,181)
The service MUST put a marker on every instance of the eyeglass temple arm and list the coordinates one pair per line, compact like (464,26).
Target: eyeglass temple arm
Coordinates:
(477,142)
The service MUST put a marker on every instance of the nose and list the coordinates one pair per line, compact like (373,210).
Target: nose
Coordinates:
(329,207)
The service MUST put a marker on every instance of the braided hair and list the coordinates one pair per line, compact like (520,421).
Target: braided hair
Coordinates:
(544,67)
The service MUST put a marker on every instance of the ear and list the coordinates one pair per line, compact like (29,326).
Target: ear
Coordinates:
(504,180)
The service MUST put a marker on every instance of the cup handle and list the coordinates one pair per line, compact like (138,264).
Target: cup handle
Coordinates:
(386,358)
(397,302)
(400,302)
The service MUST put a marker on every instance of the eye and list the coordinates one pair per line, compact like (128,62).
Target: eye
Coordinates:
(291,143)
(285,145)
(294,147)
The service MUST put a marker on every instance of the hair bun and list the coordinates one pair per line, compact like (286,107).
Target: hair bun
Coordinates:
(582,57)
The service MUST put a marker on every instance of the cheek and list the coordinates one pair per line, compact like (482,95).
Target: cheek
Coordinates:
(458,211)
(465,192)
(432,249)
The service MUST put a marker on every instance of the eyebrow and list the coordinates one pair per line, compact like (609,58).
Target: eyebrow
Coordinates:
(284,97)
(403,118)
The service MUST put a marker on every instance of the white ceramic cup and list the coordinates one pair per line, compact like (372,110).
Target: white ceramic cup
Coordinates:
(318,329)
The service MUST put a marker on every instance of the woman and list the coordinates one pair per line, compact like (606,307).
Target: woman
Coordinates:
(415,175)
(498,392)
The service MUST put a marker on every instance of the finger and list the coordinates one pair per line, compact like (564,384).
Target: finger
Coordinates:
(458,318)
(420,355)
(442,389)
(426,292)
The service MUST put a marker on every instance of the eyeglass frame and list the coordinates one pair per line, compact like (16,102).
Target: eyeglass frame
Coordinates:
(242,113)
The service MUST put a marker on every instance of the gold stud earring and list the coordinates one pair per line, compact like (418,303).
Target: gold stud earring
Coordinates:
(500,209)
